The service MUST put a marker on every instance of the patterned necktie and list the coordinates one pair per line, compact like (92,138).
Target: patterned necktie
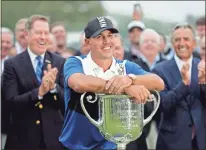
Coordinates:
(193,131)
(39,68)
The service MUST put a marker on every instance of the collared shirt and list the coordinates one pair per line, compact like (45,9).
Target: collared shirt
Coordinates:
(33,58)
(137,53)
(180,63)
(144,59)
(34,64)
(73,135)
(2,63)
(19,48)
(99,72)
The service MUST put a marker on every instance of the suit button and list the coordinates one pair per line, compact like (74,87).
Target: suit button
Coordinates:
(37,122)
(40,106)
(55,97)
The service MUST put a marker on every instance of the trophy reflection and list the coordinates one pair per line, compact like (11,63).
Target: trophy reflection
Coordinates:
(121,120)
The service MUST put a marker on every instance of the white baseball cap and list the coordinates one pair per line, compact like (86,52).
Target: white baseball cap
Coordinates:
(136,24)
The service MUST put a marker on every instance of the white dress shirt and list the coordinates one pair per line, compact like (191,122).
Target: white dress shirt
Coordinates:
(34,64)
(33,58)
(91,68)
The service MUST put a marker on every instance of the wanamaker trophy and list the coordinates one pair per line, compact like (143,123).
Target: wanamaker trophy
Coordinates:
(121,120)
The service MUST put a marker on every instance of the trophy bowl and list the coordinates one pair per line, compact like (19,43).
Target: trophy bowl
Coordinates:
(121,119)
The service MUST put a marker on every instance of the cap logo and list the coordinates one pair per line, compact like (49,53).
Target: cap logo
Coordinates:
(102,22)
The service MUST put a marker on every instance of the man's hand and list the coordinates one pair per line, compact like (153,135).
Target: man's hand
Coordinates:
(138,92)
(185,74)
(51,74)
(44,87)
(48,80)
(201,72)
(118,83)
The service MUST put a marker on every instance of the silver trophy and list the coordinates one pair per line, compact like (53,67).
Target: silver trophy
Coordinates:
(121,120)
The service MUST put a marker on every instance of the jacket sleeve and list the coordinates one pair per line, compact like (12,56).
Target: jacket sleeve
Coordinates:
(171,97)
(11,88)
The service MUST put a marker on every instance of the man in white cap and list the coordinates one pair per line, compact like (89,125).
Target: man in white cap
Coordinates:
(135,28)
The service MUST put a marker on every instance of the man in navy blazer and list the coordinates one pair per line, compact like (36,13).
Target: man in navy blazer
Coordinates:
(33,92)
(182,124)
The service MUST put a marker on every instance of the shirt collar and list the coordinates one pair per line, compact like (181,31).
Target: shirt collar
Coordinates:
(144,59)
(95,66)
(33,56)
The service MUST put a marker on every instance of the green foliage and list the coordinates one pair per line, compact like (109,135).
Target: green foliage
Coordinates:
(74,13)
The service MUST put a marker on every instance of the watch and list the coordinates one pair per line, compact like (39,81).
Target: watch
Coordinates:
(133,77)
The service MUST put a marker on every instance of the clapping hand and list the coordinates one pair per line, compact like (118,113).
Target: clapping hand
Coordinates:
(50,76)
(48,80)
(201,72)
(185,74)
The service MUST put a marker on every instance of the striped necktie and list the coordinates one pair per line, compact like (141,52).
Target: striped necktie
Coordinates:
(39,68)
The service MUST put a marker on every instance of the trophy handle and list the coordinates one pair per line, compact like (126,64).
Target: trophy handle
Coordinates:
(156,105)
(89,99)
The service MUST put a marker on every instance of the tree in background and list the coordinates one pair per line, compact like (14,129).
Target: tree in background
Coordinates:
(73,13)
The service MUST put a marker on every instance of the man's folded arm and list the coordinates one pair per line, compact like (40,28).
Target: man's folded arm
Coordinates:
(86,83)
(78,81)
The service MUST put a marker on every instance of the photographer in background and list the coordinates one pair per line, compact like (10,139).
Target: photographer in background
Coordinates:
(137,12)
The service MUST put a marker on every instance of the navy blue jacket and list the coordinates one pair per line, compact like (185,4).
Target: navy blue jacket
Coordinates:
(181,107)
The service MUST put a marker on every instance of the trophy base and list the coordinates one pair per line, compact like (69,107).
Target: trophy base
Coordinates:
(121,146)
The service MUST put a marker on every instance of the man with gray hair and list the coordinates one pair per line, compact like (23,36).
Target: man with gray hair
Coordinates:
(183,116)
(149,49)
(7,40)
(147,57)
(21,39)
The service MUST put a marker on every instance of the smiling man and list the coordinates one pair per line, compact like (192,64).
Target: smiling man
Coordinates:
(21,39)
(183,121)
(99,72)
(33,91)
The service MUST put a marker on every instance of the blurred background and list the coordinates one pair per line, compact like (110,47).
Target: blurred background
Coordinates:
(159,15)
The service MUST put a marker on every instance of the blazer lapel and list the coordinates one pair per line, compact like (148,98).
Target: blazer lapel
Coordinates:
(27,71)
(194,79)
(174,71)
(177,77)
